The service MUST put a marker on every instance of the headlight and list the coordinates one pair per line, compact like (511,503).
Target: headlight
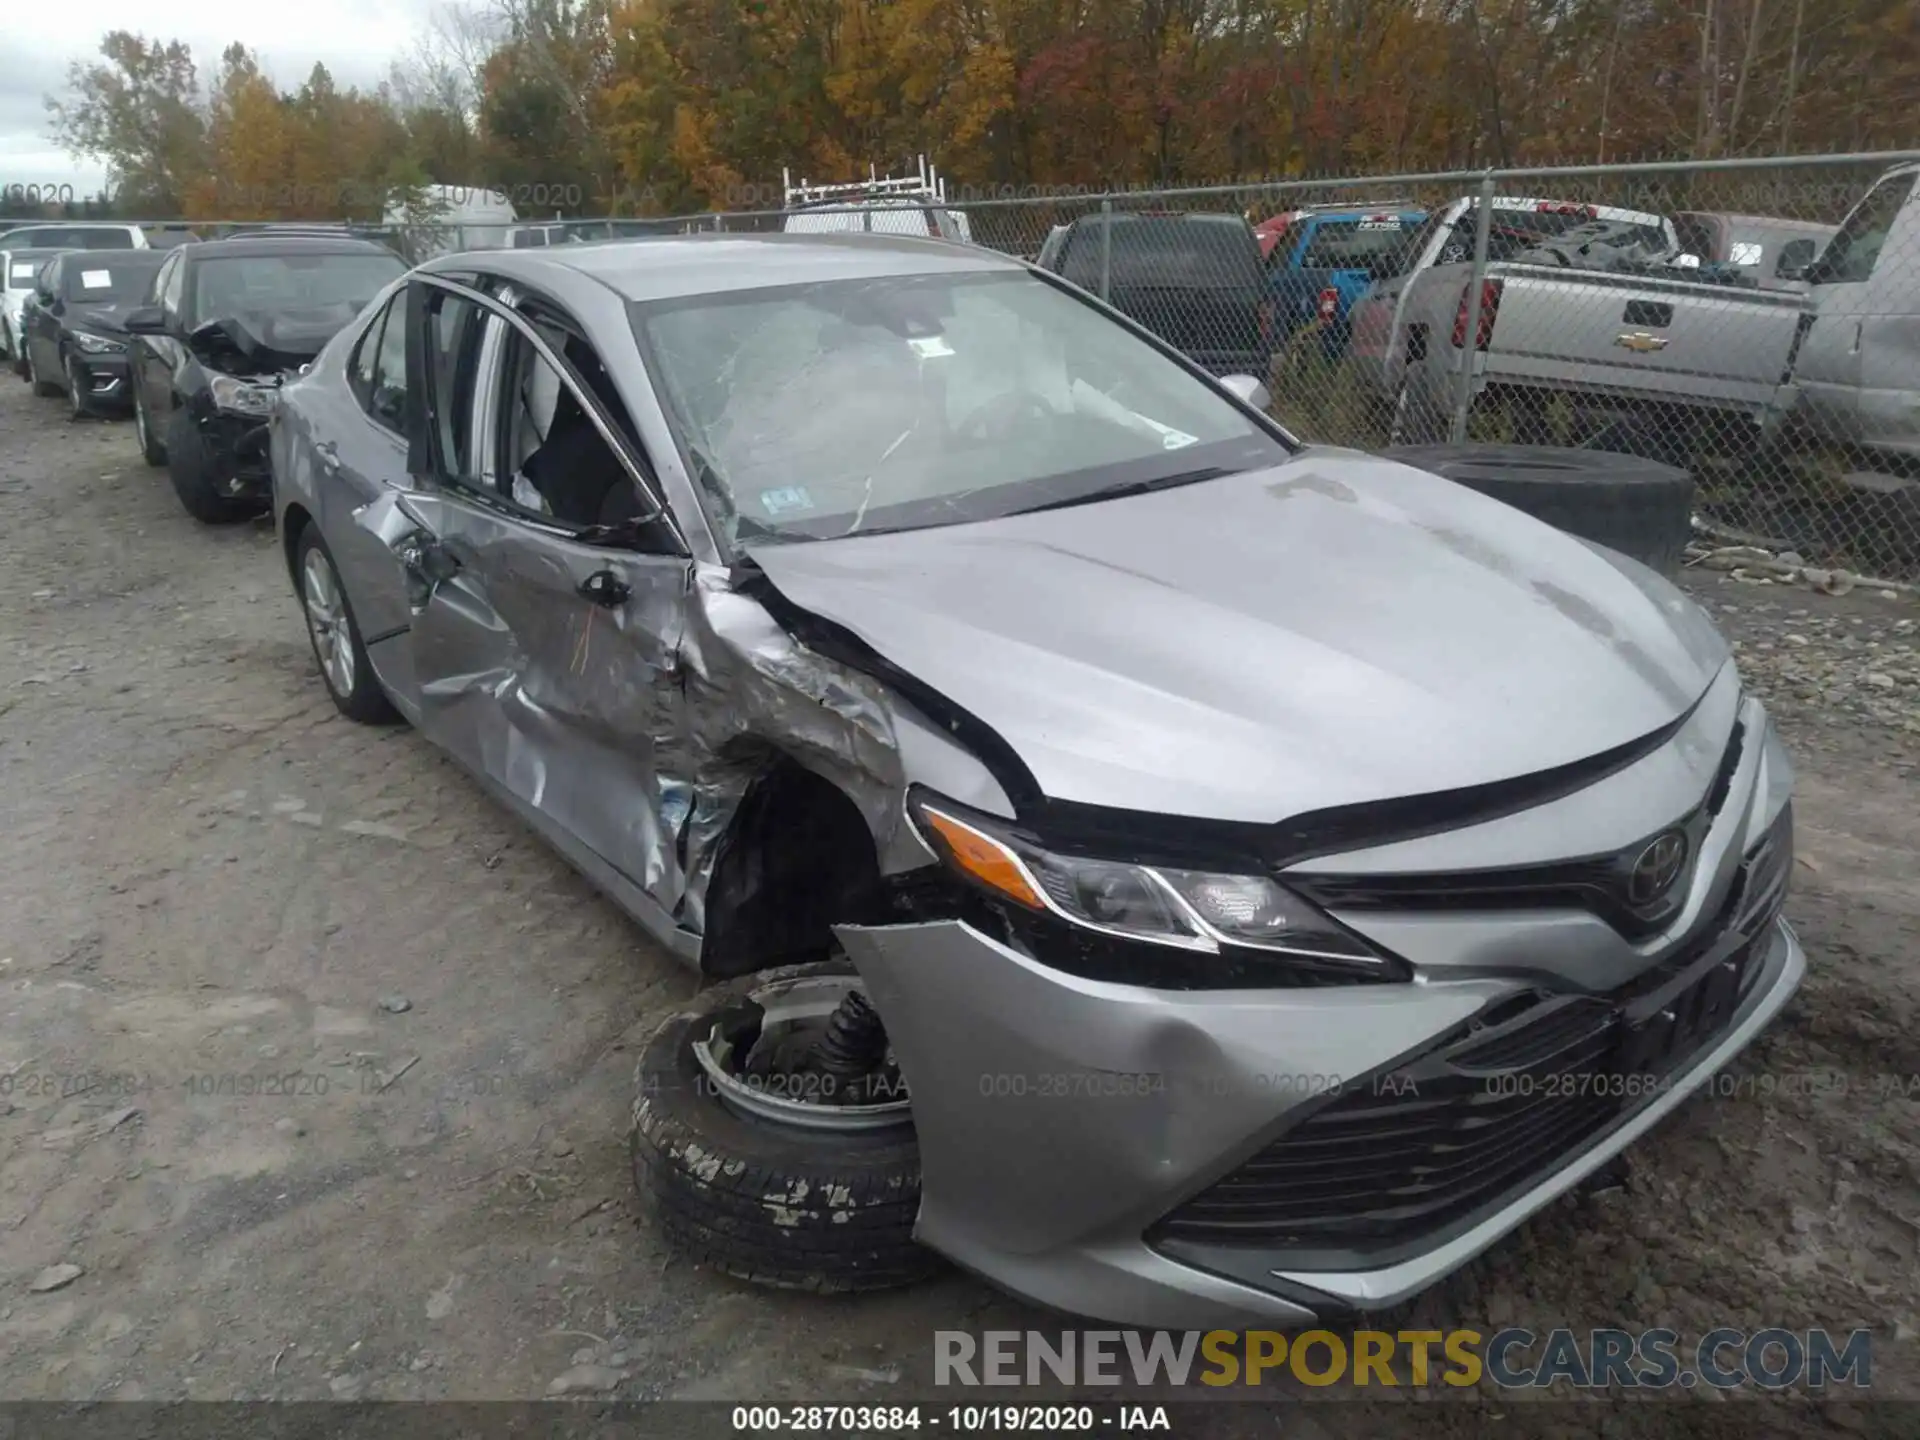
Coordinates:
(232,394)
(1195,910)
(96,344)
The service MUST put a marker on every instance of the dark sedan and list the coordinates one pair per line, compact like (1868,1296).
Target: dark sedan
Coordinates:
(72,327)
(227,320)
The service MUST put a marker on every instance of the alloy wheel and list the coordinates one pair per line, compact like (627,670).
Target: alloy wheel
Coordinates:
(327,622)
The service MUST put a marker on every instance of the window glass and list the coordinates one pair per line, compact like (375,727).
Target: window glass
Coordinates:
(388,404)
(174,286)
(321,286)
(1850,256)
(360,367)
(1197,251)
(453,358)
(102,279)
(814,411)
(554,461)
(1796,255)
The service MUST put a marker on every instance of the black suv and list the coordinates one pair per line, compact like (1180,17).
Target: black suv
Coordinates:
(224,322)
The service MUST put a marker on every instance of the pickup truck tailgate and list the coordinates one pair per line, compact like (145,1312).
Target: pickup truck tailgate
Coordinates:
(1630,334)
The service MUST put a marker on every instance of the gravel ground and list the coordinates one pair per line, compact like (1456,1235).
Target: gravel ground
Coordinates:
(207,874)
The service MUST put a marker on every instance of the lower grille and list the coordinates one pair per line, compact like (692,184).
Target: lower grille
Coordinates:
(1406,1155)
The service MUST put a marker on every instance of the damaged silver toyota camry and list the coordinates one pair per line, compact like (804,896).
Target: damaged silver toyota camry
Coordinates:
(1185,876)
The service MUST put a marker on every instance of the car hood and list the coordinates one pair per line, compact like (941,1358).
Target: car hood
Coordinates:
(1336,630)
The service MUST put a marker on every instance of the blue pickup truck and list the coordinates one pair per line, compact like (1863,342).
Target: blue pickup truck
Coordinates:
(1320,261)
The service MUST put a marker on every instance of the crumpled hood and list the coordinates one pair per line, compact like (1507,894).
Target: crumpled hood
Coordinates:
(106,317)
(1336,630)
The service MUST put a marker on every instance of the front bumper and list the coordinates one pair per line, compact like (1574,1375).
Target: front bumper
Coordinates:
(1084,1144)
(237,452)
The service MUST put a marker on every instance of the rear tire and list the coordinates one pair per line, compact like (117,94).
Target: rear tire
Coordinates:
(151,449)
(194,481)
(1640,508)
(774,1204)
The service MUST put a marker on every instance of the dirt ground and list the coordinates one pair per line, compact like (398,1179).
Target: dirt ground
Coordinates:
(206,874)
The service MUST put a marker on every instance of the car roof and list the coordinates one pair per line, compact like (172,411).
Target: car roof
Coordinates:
(662,267)
(258,245)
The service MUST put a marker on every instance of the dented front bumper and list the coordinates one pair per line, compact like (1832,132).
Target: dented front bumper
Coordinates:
(1061,1120)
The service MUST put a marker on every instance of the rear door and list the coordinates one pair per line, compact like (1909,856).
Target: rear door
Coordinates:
(1827,366)
(545,661)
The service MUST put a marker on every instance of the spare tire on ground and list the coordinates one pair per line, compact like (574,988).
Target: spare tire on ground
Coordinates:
(1639,507)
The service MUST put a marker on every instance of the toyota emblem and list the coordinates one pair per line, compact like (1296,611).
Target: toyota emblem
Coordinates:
(1656,869)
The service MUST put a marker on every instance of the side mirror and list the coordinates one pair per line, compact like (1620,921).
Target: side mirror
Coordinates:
(1792,272)
(1250,390)
(1686,262)
(147,320)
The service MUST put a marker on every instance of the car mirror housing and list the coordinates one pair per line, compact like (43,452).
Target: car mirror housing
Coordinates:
(1247,388)
(147,320)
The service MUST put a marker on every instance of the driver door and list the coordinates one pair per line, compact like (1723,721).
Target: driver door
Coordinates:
(547,661)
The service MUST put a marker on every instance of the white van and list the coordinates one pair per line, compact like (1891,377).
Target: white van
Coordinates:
(1856,368)
(77,235)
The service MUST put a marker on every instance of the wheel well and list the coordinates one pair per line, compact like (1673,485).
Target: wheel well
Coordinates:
(293,525)
(797,860)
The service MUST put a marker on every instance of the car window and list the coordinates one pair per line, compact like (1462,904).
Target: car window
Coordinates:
(174,286)
(1354,244)
(1795,256)
(457,328)
(1852,253)
(56,237)
(1404,258)
(552,460)
(813,411)
(1200,252)
(100,279)
(366,351)
(388,401)
(320,285)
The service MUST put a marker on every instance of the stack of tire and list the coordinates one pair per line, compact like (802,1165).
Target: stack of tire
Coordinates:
(1640,508)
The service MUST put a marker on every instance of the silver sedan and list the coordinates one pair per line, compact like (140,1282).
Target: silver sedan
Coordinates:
(1183,875)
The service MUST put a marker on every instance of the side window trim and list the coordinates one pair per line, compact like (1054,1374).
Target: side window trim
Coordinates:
(583,396)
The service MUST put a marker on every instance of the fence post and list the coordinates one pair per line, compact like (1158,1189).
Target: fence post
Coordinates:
(1106,247)
(1463,400)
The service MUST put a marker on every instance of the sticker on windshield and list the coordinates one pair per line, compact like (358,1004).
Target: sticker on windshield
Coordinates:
(22,274)
(931,347)
(95,280)
(783,502)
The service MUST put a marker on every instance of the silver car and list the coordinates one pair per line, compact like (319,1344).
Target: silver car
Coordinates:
(1185,876)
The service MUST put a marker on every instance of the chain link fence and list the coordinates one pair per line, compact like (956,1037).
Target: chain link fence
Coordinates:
(1755,322)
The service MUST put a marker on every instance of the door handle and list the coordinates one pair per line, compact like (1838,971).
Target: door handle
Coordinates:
(605,588)
(1859,333)
(328,452)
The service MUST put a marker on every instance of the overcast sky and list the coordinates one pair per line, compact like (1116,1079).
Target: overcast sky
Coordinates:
(355,39)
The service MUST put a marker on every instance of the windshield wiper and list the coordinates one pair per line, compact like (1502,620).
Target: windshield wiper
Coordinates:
(1132,487)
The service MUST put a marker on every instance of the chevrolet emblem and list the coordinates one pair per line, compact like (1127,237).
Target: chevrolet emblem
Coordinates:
(1640,342)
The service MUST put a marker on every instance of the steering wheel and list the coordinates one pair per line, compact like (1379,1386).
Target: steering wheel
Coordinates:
(1003,414)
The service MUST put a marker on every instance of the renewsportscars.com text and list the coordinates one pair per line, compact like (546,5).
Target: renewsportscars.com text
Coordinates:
(1512,1358)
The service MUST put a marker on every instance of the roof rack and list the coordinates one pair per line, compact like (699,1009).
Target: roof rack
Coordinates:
(925,184)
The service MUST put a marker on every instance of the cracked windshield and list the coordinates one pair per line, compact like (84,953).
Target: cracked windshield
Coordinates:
(854,407)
